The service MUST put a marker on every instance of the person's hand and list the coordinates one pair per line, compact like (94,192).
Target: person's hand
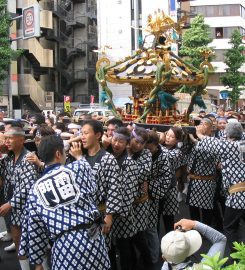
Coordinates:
(4,209)
(162,137)
(3,146)
(38,267)
(186,224)
(107,226)
(106,141)
(192,138)
(200,131)
(145,187)
(76,150)
(32,158)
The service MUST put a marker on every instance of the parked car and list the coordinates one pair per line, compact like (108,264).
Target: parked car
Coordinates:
(100,112)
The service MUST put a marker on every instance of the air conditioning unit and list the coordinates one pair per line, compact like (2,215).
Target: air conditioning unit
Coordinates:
(48,98)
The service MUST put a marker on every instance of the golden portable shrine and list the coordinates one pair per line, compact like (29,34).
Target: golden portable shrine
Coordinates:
(156,74)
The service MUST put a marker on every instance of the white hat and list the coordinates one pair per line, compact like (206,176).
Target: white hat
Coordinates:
(176,246)
(232,120)
(72,125)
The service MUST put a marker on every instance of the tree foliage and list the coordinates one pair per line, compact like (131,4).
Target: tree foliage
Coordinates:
(195,40)
(234,59)
(6,53)
(217,263)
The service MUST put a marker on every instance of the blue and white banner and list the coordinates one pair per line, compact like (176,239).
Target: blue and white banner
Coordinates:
(172,8)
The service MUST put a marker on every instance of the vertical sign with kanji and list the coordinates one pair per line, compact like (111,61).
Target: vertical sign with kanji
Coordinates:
(67,104)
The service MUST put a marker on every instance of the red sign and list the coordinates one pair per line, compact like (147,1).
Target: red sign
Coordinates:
(67,103)
(67,99)
(31,21)
(28,20)
(91,99)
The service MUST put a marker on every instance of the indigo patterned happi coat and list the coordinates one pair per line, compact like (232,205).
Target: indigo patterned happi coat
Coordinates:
(61,201)
(18,179)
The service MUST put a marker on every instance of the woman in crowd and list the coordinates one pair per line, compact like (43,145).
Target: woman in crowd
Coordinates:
(169,205)
(159,184)
(143,158)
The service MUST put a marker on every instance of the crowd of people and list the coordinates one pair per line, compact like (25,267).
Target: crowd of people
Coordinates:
(96,195)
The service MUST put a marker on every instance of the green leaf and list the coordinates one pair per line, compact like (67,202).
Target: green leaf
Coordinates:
(6,53)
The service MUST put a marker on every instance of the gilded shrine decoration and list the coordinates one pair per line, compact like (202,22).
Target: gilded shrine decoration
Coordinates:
(155,73)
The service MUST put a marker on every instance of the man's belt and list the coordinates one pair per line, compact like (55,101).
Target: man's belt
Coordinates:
(141,199)
(201,177)
(239,187)
(102,207)
(76,228)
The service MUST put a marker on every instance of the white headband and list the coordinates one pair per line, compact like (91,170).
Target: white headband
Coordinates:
(120,136)
(18,133)
(137,137)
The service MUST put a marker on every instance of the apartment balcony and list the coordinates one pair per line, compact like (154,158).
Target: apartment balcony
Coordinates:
(47,82)
(34,94)
(52,35)
(36,53)
(78,21)
(92,38)
(78,1)
(70,77)
(75,51)
(25,3)
(46,19)
(54,6)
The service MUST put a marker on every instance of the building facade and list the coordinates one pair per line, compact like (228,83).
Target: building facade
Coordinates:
(223,16)
(60,61)
(121,25)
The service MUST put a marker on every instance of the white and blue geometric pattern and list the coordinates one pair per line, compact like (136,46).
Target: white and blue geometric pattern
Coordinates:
(233,169)
(159,184)
(18,178)
(201,192)
(58,222)
(141,210)
(124,224)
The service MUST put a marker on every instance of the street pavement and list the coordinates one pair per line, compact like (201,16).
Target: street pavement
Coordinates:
(9,261)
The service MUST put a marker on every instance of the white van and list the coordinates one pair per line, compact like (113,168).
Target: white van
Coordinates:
(103,112)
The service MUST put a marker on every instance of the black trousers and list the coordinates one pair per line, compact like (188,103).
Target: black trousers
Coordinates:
(231,223)
(203,215)
(127,256)
(168,221)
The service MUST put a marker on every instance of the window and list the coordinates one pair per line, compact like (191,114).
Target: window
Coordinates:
(242,12)
(140,6)
(48,98)
(219,32)
(133,39)
(219,55)
(219,10)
